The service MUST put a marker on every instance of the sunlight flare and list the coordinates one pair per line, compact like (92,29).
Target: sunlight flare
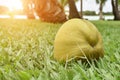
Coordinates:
(13,4)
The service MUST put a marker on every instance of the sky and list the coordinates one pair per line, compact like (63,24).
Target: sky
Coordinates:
(87,5)
(92,6)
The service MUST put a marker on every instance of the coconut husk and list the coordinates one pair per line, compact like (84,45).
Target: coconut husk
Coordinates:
(78,39)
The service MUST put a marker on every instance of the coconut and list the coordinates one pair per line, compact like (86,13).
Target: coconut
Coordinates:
(78,39)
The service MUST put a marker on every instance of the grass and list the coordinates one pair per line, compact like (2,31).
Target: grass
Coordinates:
(26,49)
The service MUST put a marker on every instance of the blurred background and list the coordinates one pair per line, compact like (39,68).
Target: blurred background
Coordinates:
(87,9)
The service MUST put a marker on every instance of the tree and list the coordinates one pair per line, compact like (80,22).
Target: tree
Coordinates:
(28,7)
(50,11)
(101,2)
(81,8)
(73,12)
(3,9)
(115,9)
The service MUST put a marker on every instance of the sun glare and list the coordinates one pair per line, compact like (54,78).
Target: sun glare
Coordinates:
(14,4)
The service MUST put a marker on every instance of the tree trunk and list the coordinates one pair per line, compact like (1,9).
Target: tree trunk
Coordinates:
(73,12)
(30,13)
(115,9)
(81,8)
(50,11)
(101,13)
(28,8)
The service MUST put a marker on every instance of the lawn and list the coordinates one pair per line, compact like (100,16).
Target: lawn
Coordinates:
(26,53)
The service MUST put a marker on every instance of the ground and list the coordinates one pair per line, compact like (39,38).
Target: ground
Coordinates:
(26,49)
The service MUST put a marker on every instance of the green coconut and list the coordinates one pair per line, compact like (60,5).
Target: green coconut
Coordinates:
(78,39)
